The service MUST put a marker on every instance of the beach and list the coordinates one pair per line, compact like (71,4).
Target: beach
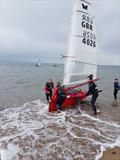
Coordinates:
(29,132)
(111,154)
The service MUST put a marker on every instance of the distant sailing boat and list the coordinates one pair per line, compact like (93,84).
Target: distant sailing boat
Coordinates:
(55,65)
(81,59)
(38,63)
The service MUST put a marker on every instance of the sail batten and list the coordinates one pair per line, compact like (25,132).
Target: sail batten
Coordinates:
(85,13)
(86,2)
(81,45)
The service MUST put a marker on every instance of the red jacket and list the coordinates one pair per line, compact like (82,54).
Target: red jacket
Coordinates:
(54,93)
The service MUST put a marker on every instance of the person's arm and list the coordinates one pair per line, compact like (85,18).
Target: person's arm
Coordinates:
(46,89)
(89,91)
(118,86)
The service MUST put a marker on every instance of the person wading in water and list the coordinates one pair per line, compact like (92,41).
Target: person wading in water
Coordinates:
(59,91)
(116,88)
(92,91)
(49,86)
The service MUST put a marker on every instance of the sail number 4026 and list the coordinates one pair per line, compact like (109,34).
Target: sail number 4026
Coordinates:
(89,42)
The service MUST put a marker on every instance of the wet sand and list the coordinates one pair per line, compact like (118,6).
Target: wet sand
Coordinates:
(111,154)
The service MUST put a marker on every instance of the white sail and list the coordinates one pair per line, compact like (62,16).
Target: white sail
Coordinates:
(81,59)
(38,63)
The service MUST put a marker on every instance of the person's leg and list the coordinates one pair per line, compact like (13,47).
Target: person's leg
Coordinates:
(61,102)
(58,108)
(61,107)
(50,95)
(47,97)
(94,108)
(94,97)
(115,94)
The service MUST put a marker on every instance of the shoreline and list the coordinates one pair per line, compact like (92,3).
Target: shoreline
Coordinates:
(69,131)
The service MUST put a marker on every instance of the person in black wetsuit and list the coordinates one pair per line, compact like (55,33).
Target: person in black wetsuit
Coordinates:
(49,86)
(93,91)
(116,88)
(61,95)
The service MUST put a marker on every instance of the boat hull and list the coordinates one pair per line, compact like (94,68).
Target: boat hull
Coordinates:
(69,102)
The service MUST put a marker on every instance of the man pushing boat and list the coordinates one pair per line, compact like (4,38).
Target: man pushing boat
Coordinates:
(59,93)
(93,90)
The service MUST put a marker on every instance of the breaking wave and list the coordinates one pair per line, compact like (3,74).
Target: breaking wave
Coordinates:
(31,133)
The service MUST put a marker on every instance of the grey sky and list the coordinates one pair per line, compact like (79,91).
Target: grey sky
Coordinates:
(39,29)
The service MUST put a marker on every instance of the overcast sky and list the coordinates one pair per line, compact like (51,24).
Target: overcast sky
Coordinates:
(33,29)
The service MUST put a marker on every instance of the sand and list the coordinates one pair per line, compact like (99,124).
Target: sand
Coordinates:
(111,154)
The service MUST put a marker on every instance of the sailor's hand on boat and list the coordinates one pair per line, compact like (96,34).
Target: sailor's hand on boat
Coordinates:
(100,90)
(87,93)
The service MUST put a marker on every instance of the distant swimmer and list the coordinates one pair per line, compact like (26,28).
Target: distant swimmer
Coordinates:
(49,86)
(59,91)
(92,91)
(116,88)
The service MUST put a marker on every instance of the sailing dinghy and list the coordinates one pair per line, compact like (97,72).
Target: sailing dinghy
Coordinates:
(81,58)
(38,63)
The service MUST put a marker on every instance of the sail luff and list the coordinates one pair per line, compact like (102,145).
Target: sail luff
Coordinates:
(67,55)
(66,67)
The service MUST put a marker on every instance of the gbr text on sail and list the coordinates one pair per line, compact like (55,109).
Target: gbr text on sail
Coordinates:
(89,37)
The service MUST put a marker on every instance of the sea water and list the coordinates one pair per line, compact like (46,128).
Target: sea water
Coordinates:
(28,131)
(24,82)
